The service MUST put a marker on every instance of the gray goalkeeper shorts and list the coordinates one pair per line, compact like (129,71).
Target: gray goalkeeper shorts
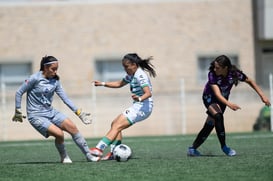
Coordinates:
(41,122)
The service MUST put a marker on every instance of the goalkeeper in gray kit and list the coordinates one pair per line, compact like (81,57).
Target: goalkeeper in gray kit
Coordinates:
(40,88)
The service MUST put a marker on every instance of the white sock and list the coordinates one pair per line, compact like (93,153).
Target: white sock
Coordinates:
(101,145)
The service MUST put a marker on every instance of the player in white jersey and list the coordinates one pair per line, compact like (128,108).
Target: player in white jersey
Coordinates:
(141,109)
(40,88)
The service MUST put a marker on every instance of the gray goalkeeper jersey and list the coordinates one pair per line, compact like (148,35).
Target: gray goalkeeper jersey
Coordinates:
(40,92)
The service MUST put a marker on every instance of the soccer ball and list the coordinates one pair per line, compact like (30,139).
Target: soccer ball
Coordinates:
(122,153)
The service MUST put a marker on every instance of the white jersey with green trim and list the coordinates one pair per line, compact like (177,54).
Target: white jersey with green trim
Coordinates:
(40,92)
(137,81)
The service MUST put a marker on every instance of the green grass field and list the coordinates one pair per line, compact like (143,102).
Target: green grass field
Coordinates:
(154,158)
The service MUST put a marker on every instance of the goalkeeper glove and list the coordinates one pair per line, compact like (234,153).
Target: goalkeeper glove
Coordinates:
(18,116)
(84,116)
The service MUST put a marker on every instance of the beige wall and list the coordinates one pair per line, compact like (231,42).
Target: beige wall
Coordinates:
(175,33)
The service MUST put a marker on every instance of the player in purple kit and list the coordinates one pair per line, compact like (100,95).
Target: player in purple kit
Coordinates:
(221,78)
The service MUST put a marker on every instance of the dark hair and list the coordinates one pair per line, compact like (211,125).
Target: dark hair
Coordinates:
(224,61)
(145,64)
(46,61)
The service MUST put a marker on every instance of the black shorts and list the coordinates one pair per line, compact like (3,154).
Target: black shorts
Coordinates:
(209,99)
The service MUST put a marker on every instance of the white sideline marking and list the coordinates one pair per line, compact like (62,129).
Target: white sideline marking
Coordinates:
(3,144)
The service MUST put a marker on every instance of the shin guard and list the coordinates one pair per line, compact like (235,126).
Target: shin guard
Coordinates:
(220,128)
(202,135)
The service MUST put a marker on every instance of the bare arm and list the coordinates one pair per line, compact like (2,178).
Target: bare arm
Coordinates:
(146,95)
(114,84)
(222,99)
(258,90)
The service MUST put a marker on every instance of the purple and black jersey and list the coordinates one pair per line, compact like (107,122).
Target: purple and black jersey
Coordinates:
(225,85)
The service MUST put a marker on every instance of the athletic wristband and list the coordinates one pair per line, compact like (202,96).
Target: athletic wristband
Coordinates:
(78,112)
(139,99)
(18,109)
(102,83)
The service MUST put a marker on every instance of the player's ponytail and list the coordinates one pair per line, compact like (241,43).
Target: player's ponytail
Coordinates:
(224,61)
(234,70)
(145,64)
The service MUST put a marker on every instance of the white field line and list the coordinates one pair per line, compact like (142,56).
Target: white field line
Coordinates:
(128,139)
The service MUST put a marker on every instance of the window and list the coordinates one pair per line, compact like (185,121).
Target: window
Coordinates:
(109,69)
(204,64)
(13,74)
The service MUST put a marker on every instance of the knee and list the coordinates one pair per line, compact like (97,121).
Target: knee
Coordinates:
(119,125)
(70,127)
(74,129)
(59,136)
(116,126)
(55,132)
(218,117)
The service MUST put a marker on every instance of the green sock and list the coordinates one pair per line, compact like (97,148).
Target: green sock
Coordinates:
(114,144)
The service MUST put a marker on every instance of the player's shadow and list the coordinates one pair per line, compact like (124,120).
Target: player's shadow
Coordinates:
(216,155)
(43,162)
(29,163)
(211,155)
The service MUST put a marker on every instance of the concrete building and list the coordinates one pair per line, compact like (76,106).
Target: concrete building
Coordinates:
(90,37)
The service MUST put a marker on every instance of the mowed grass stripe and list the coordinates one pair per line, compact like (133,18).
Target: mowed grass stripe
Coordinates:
(135,139)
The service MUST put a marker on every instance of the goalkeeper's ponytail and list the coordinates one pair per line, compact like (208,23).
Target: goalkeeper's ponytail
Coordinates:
(47,61)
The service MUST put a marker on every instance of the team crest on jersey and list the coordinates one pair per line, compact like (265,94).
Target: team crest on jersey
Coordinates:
(128,78)
(230,81)
(46,91)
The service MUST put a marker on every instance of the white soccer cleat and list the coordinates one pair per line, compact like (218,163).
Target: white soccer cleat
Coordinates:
(66,159)
(96,152)
(92,158)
